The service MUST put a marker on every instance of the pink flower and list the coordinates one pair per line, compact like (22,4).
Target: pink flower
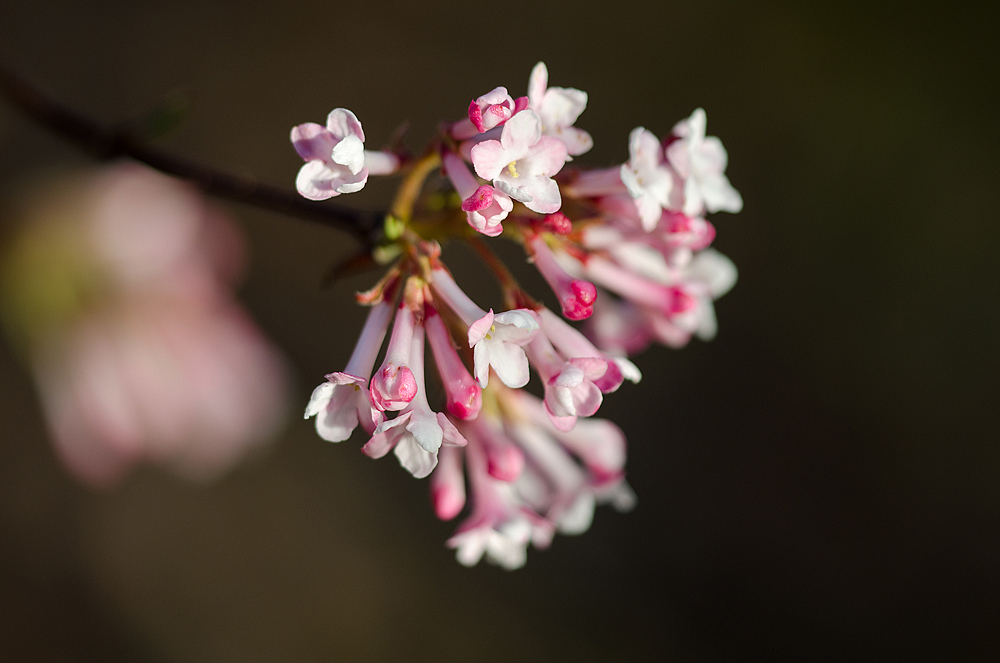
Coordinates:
(464,396)
(558,108)
(576,296)
(618,326)
(448,483)
(709,276)
(701,163)
(336,161)
(556,485)
(522,163)
(504,458)
(496,339)
(491,110)
(600,446)
(418,432)
(570,391)
(394,385)
(160,364)
(571,343)
(343,401)
(485,206)
(500,527)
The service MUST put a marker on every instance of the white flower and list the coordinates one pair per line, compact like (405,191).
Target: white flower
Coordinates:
(701,162)
(558,108)
(646,177)
(522,163)
(496,341)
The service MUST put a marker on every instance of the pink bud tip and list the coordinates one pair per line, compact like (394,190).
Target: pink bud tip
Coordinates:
(506,463)
(580,302)
(681,301)
(393,388)
(480,200)
(558,223)
(476,116)
(467,402)
(448,502)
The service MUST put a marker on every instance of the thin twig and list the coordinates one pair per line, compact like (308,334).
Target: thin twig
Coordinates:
(106,144)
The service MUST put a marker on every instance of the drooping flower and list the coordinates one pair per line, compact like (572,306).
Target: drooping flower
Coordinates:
(576,296)
(570,391)
(485,206)
(343,401)
(500,527)
(496,339)
(571,343)
(417,433)
(394,385)
(464,396)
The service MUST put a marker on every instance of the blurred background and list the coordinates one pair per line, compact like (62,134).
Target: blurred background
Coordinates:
(818,483)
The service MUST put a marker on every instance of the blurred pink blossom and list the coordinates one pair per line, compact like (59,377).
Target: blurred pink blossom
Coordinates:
(152,359)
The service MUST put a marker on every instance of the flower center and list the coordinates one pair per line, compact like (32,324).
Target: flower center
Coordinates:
(512,169)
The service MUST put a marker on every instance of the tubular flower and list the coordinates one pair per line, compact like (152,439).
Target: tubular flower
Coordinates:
(495,339)
(625,248)
(417,433)
(343,401)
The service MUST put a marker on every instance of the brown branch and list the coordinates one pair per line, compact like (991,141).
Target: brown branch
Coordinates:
(105,144)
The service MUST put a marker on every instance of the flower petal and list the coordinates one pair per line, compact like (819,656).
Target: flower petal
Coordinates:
(510,364)
(537,83)
(350,152)
(313,141)
(481,359)
(480,328)
(426,432)
(342,123)
(519,134)
(415,459)
(489,158)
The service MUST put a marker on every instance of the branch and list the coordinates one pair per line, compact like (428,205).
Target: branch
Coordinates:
(105,144)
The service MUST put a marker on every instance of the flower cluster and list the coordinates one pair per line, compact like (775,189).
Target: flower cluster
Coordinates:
(624,248)
(119,291)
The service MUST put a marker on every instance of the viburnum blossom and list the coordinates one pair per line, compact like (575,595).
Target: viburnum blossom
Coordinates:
(484,205)
(645,176)
(522,163)
(119,290)
(336,161)
(627,249)
(418,432)
(701,163)
(343,401)
(496,339)
(558,109)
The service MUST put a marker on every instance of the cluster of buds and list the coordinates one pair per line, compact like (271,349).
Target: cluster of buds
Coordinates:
(624,248)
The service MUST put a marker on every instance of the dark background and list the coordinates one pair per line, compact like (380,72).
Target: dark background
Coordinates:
(818,483)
